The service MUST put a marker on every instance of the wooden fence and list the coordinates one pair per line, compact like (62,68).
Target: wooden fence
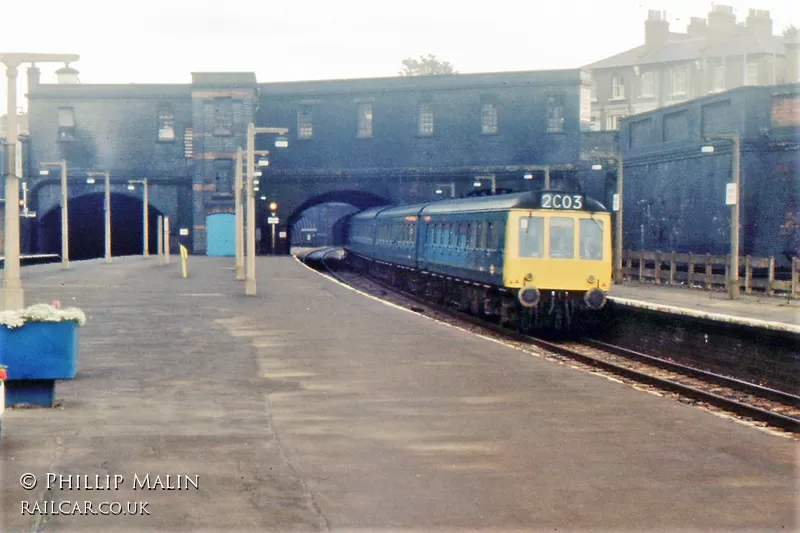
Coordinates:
(756,274)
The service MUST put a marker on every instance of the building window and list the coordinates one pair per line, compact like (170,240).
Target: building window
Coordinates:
(223,176)
(648,85)
(751,76)
(679,81)
(612,121)
(66,123)
(365,120)
(223,116)
(593,92)
(719,78)
(166,124)
(489,118)
(555,114)
(425,126)
(617,87)
(188,143)
(305,129)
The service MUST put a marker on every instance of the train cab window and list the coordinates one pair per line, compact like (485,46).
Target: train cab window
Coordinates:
(531,237)
(482,235)
(591,238)
(562,238)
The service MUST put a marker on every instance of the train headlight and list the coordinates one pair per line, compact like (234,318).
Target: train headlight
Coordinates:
(591,279)
(528,296)
(595,298)
(529,276)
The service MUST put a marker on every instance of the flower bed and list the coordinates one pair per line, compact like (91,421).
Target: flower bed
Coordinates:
(39,345)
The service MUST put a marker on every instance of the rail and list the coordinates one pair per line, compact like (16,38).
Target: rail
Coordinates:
(756,274)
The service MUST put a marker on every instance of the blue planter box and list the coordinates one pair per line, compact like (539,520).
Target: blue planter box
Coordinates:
(36,354)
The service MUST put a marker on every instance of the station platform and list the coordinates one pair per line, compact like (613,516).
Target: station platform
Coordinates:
(760,311)
(311,407)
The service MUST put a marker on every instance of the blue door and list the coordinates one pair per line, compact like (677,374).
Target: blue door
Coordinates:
(221,232)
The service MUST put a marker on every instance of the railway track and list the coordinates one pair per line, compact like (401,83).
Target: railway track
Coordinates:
(777,409)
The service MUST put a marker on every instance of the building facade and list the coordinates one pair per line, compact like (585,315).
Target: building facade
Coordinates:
(362,142)
(712,56)
(675,194)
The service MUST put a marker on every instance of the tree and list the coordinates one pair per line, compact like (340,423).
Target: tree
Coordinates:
(791,32)
(426,66)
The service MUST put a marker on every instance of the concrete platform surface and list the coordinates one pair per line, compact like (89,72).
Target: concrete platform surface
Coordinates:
(749,309)
(311,408)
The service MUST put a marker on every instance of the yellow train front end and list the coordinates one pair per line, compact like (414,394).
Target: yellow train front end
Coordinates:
(558,256)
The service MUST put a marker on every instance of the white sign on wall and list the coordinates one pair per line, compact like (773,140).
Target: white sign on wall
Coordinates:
(730,194)
(183,231)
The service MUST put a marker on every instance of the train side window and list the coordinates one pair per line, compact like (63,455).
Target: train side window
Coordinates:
(562,238)
(500,232)
(531,237)
(488,236)
(482,235)
(462,235)
(591,238)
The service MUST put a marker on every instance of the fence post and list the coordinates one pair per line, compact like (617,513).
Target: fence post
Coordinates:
(795,276)
(629,262)
(748,275)
(672,269)
(658,268)
(641,266)
(771,277)
(708,271)
(690,272)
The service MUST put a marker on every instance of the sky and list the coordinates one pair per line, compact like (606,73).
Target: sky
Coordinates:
(164,41)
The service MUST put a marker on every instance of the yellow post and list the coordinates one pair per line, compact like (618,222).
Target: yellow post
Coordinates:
(184,257)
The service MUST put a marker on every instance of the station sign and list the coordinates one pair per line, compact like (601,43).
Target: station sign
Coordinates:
(273,220)
(282,234)
(730,194)
(183,232)
(615,203)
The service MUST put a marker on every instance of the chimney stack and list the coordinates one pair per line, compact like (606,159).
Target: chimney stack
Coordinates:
(759,23)
(721,21)
(656,29)
(34,77)
(697,28)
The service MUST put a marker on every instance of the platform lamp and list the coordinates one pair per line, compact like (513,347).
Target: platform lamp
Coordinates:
(280,142)
(441,186)
(238,209)
(12,295)
(617,207)
(490,177)
(64,208)
(106,208)
(731,199)
(545,168)
(145,215)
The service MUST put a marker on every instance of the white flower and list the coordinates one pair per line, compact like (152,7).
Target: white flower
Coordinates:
(41,313)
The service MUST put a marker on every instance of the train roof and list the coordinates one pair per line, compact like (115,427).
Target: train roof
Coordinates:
(500,202)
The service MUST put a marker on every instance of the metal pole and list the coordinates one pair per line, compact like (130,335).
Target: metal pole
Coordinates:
(618,248)
(239,218)
(13,297)
(166,240)
(108,216)
(145,222)
(494,185)
(273,239)
(733,283)
(250,288)
(160,240)
(546,178)
(64,217)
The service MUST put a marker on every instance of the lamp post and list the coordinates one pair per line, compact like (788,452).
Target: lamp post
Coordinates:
(106,210)
(491,177)
(273,221)
(616,206)
(441,186)
(731,199)
(239,218)
(64,208)
(145,216)
(12,295)
(280,142)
